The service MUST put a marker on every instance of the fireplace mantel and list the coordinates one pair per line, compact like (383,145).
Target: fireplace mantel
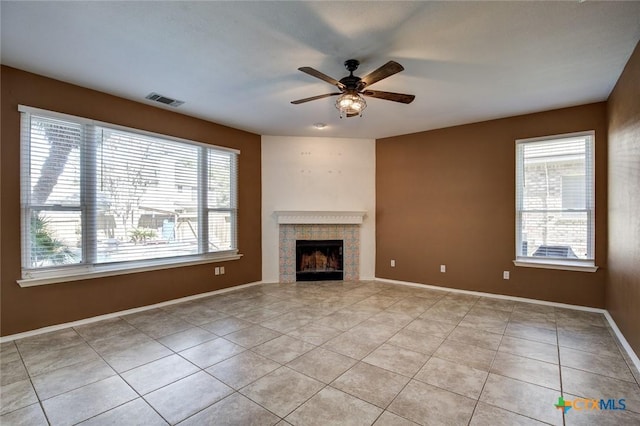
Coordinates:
(319,217)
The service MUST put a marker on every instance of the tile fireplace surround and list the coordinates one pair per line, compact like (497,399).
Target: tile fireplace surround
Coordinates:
(319,225)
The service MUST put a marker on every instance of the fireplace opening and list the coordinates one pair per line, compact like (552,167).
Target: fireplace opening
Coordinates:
(319,260)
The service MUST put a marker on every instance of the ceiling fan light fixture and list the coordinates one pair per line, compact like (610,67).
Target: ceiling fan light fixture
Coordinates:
(350,104)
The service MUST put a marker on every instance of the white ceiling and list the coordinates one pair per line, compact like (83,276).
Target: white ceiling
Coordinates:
(235,63)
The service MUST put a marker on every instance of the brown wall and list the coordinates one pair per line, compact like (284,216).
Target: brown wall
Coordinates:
(34,307)
(447,196)
(623,278)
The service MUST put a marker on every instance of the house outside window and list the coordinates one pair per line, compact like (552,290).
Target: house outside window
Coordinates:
(96,195)
(555,201)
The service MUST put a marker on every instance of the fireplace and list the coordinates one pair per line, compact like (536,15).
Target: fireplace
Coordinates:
(319,260)
(315,226)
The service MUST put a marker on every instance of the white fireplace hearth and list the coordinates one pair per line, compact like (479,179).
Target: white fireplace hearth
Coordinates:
(318,225)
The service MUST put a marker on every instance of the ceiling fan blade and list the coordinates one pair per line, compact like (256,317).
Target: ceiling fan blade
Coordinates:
(317,74)
(388,69)
(313,98)
(390,96)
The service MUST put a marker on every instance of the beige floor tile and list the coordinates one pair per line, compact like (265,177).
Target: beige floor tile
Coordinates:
(136,356)
(156,374)
(54,340)
(31,415)
(522,398)
(604,365)
(211,352)
(322,364)
(589,385)
(287,322)
(225,326)
(196,313)
(119,342)
(431,327)
(389,419)
(235,410)
(488,415)
(344,319)
(375,331)
(535,319)
(252,336)
(399,360)
(395,319)
(426,404)
(282,390)
(40,361)
(522,331)
(12,369)
(472,356)
(283,349)
(133,413)
(370,383)
(314,333)
(529,349)
(68,378)
(184,398)
(454,377)
(527,369)
(102,329)
(90,400)
(445,313)
(486,323)
(489,313)
(186,339)
(411,307)
(16,395)
(242,369)
(333,407)
(352,345)
(495,304)
(472,336)
(418,342)
(602,344)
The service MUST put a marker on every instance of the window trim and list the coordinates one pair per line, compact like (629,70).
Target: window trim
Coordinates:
(90,269)
(85,272)
(581,265)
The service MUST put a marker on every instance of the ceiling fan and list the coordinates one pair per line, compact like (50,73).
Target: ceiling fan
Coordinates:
(351,103)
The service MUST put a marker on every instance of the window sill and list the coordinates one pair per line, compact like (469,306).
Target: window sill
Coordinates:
(556,264)
(49,277)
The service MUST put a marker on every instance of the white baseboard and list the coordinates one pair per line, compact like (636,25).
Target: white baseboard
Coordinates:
(495,296)
(614,327)
(627,347)
(121,313)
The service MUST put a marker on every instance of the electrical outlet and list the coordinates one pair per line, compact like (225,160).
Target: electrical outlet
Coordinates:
(393,263)
(222,270)
(443,268)
(217,270)
(505,275)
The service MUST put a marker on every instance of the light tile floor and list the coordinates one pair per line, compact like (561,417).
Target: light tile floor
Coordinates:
(321,354)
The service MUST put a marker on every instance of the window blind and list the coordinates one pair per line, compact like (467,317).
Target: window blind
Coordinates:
(555,198)
(95,194)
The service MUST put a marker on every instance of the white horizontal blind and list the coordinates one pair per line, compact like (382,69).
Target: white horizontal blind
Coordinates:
(95,195)
(555,198)
(51,176)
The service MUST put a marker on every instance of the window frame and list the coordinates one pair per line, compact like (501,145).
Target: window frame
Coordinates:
(582,265)
(88,267)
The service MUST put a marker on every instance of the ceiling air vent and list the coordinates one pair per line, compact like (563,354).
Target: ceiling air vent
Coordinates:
(153,96)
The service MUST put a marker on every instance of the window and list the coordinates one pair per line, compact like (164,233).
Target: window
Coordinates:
(555,200)
(98,195)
